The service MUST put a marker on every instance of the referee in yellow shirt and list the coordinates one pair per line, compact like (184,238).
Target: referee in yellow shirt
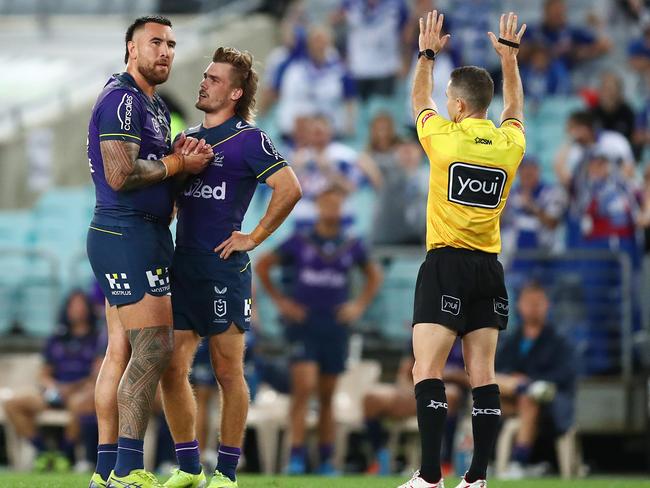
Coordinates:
(460,288)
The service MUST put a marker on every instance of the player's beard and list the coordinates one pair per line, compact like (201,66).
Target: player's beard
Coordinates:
(152,74)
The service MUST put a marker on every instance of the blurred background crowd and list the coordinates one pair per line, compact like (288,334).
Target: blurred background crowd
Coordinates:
(334,97)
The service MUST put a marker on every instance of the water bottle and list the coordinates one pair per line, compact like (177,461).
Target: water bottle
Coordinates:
(463,446)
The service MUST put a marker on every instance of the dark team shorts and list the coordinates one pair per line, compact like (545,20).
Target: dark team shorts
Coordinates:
(210,293)
(320,339)
(130,257)
(461,289)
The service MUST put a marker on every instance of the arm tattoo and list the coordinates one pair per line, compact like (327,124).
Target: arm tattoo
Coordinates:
(124,171)
(151,352)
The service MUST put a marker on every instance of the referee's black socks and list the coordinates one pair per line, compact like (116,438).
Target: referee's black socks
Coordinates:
(432,411)
(486,415)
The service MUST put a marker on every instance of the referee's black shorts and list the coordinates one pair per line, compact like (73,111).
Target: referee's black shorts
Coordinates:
(461,289)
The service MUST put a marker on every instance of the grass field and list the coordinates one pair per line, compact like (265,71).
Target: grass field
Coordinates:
(81,481)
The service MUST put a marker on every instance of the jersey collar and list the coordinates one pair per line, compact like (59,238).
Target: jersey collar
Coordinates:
(230,127)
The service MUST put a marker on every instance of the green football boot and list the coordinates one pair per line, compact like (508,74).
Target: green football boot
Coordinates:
(138,478)
(182,479)
(97,482)
(220,480)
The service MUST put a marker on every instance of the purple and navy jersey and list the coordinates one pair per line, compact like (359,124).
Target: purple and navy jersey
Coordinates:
(319,269)
(123,113)
(213,203)
(71,358)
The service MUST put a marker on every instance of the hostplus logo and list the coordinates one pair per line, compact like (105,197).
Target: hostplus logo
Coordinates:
(118,284)
(158,280)
(198,189)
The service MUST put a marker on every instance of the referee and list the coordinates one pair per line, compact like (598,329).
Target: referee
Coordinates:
(460,288)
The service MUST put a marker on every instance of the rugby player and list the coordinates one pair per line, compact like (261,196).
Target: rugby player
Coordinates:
(460,289)
(318,312)
(129,244)
(211,274)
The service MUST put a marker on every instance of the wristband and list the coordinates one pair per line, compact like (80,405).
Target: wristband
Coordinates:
(174,164)
(508,43)
(259,235)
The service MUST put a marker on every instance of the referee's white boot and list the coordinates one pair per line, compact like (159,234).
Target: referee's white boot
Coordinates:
(475,484)
(417,482)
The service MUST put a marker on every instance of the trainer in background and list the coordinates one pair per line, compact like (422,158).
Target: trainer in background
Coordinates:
(318,311)
(536,374)
(66,381)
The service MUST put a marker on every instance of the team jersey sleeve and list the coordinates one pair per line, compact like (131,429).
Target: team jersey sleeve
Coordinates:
(119,117)
(261,156)
(514,131)
(429,122)
(361,257)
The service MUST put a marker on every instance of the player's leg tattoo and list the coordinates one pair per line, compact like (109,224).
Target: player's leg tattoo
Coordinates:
(151,352)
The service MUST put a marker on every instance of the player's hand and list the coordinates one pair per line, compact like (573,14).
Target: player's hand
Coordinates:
(291,310)
(238,241)
(197,160)
(507,31)
(350,312)
(430,30)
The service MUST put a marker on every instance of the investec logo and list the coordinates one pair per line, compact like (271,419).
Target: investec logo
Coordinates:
(198,189)
(476,186)
(124,111)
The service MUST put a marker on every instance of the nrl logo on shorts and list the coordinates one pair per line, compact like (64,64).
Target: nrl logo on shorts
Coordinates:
(220,307)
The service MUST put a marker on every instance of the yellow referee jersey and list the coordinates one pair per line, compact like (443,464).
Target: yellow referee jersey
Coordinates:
(473,164)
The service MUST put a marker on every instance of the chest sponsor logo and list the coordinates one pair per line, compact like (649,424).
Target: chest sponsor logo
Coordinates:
(501,306)
(476,186)
(450,304)
(220,307)
(328,278)
(197,189)
(124,111)
(118,283)
(480,140)
(268,147)
(158,280)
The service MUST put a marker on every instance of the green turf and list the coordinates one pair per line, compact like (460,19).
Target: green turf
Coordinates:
(81,481)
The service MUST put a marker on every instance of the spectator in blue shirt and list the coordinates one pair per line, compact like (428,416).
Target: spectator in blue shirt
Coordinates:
(639,51)
(66,381)
(317,84)
(568,43)
(536,374)
(542,75)
(376,30)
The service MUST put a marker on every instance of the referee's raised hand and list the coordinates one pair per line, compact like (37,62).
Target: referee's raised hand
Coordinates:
(509,39)
(430,30)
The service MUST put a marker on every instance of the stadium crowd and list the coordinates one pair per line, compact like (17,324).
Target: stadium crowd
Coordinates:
(321,84)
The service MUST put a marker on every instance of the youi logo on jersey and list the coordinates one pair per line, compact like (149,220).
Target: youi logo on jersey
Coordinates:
(197,189)
(476,186)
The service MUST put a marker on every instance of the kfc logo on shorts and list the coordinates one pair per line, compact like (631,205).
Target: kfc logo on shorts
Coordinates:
(476,186)
(501,306)
(450,304)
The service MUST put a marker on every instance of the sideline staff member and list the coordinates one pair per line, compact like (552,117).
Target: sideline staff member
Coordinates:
(460,288)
